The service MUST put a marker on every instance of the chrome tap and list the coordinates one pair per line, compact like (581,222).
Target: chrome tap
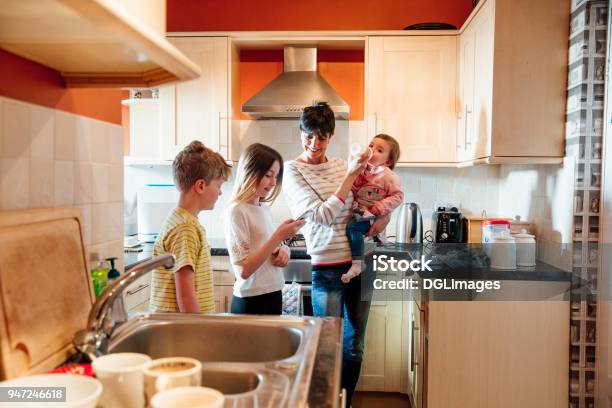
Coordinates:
(109,310)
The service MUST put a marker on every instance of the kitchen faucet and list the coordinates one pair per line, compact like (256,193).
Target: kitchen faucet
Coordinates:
(109,310)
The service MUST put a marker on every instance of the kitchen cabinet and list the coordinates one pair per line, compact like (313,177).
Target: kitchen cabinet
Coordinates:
(223,281)
(494,354)
(410,95)
(136,296)
(198,109)
(512,82)
(417,355)
(110,43)
(382,363)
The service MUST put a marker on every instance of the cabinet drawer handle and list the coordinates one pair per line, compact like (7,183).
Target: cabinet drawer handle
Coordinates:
(137,289)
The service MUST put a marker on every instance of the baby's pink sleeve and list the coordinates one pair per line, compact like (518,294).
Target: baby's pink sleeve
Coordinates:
(394,197)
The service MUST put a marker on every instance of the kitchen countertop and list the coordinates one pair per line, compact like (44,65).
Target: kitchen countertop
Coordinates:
(325,381)
(460,270)
(217,248)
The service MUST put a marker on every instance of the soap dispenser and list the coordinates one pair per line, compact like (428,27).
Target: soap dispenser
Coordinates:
(113,274)
(99,274)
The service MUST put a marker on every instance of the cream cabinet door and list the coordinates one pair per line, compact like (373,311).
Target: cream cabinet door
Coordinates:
(465,97)
(410,95)
(381,368)
(479,130)
(198,109)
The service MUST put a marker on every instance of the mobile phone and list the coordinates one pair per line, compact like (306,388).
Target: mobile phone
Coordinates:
(304,215)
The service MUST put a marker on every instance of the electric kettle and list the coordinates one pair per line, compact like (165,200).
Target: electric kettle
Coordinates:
(409,224)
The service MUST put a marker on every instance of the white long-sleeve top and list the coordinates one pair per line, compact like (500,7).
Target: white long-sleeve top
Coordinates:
(312,187)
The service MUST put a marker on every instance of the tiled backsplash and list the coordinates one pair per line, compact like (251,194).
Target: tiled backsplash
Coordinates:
(50,158)
(542,194)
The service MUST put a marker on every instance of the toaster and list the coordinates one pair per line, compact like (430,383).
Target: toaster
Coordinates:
(449,225)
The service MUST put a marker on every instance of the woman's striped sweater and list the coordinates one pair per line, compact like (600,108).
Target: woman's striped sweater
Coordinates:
(312,187)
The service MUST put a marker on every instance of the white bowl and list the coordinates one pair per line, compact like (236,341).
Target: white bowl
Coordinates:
(81,391)
(188,397)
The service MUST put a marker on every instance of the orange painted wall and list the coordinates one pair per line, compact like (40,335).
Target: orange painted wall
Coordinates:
(289,15)
(344,70)
(31,82)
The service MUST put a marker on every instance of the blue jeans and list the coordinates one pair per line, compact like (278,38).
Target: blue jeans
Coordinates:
(355,232)
(331,297)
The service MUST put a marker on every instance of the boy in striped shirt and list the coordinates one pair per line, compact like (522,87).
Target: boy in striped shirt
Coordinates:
(188,287)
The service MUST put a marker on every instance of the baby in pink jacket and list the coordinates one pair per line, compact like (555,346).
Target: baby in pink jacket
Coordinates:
(377,191)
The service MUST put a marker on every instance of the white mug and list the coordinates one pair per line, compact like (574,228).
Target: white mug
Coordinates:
(122,379)
(193,397)
(171,372)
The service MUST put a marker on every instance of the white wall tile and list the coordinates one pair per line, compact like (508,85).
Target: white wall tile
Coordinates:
(86,218)
(115,183)
(42,181)
(83,142)
(63,183)
(100,223)
(115,143)
(100,140)
(65,135)
(43,133)
(115,220)
(99,183)
(16,126)
(14,183)
(83,183)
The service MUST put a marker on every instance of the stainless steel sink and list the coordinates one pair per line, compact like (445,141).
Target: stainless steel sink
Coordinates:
(255,360)
(211,341)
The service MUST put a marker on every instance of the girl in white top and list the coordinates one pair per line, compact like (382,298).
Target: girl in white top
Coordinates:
(254,245)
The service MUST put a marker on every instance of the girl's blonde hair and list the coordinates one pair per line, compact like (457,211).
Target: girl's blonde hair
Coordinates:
(254,163)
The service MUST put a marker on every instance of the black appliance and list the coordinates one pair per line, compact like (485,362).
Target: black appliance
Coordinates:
(449,225)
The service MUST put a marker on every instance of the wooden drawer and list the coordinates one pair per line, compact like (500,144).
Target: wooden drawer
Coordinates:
(138,292)
(223,278)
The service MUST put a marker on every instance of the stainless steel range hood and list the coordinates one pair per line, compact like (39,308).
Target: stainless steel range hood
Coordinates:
(297,87)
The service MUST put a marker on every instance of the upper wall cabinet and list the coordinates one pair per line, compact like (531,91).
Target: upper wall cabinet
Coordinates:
(410,95)
(95,43)
(512,83)
(199,109)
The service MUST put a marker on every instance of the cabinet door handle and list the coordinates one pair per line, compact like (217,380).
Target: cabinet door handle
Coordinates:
(467,112)
(415,331)
(137,289)
(226,303)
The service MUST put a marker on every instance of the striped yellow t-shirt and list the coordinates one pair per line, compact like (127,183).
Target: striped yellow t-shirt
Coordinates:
(184,237)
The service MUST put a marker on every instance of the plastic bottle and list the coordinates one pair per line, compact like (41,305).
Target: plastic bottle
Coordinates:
(99,275)
(113,274)
(357,150)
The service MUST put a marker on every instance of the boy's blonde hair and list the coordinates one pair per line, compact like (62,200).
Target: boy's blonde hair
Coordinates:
(394,151)
(198,162)
(254,163)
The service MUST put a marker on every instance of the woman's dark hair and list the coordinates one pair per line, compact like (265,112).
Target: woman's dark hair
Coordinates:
(318,119)
(254,163)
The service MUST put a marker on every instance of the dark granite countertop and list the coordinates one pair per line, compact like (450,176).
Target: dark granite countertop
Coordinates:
(325,381)
(461,271)
(217,248)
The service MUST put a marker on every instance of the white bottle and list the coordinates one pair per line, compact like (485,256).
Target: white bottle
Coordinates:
(357,150)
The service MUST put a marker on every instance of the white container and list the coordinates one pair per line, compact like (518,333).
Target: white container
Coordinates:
(525,249)
(494,227)
(502,251)
(81,391)
(197,397)
(122,378)
(517,225)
